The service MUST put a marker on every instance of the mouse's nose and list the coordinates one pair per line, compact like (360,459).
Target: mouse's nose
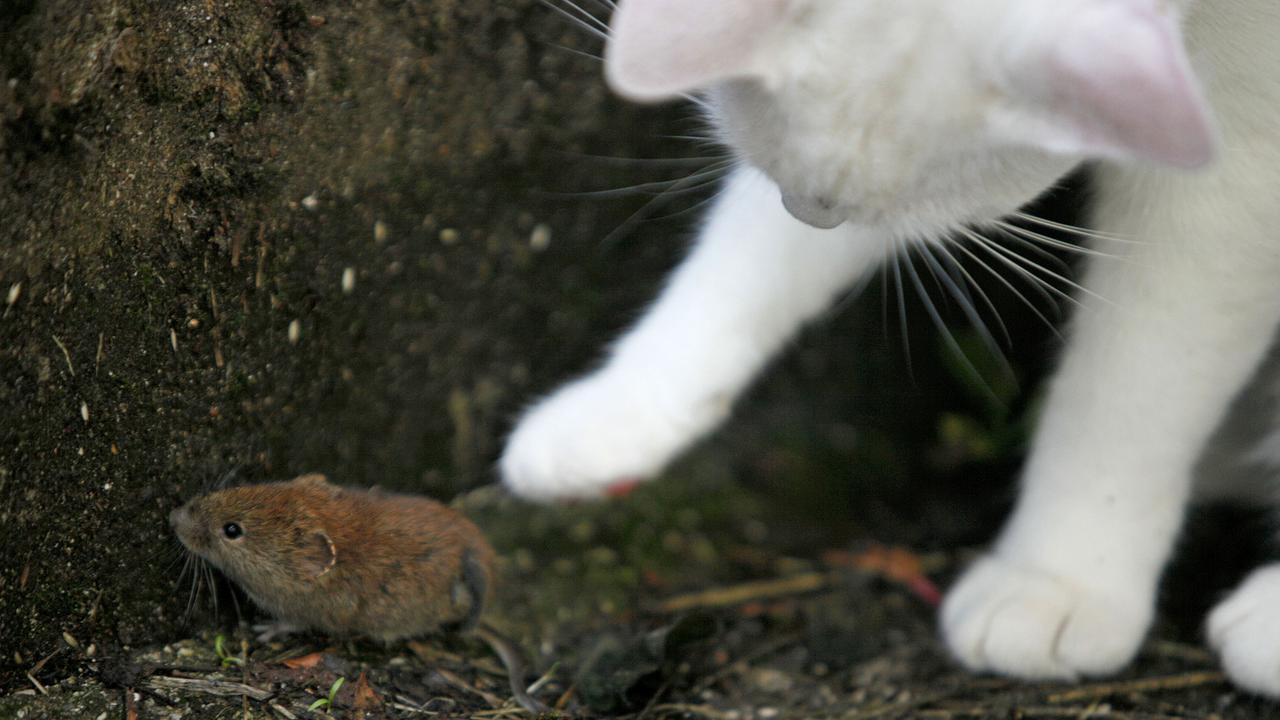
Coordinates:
(177,516)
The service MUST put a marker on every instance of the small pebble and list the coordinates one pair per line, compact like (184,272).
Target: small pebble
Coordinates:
(173,339)
(15,291)
(348,280)
(540,238)
(295,332)
(449,236)
(310,202)
(70,639)
(379,232)
(84,411)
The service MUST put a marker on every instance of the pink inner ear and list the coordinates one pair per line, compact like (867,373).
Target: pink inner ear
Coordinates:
(659,49)
(1120,76)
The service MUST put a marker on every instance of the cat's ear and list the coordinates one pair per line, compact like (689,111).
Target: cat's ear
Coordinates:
(659,49)
(1112,80)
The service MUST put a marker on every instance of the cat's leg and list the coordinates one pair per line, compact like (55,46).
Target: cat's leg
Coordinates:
(755,275)
(1245,631)
(1186,315)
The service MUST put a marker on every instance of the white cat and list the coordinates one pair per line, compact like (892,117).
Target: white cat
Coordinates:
(889,122)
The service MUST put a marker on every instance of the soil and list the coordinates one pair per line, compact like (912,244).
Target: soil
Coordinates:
(252,240)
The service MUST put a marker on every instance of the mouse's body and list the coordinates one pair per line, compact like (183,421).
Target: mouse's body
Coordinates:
(341,560)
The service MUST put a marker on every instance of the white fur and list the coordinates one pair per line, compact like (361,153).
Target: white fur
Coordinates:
(1245,631)
(755,276)
(899,121)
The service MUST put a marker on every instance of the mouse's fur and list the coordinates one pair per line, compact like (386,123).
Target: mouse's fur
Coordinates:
(342,560)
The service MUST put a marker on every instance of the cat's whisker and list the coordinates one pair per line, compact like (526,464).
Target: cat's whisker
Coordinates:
(1075,229)
(955,265)
(1036,282)
(896,253)
(645,162)
(587,16)
(694,208)
(1013,289)
(679,187)
(1033,236)
(574,51)
(949,287)
(1031,265)
(948,337)
(714,171)
(1044,255)
(578,21)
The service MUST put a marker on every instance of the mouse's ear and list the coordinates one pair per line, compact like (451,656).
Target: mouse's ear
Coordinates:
(318,553)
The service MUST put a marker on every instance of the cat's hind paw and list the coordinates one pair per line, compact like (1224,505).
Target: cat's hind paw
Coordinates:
(1244,629)
(592,436)
(1022,622)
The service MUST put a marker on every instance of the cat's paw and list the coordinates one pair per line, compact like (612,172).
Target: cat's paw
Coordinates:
(593,435)
(1022,622)
(1244,629)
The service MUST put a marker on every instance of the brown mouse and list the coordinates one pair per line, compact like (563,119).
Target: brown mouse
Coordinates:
(342,560)
(347,561)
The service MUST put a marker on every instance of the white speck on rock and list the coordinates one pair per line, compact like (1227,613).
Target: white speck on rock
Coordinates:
(348,280)
(295,332)
(310,202)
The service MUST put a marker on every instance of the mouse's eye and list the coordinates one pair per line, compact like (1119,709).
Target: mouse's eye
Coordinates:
(232,531)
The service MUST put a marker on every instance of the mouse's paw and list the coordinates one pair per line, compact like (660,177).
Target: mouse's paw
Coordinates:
(595,434)
(276,630)
(1244,629)
(1027,623)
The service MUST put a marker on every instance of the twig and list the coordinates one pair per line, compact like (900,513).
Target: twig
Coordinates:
(563,701)
(907,703)
(209,687)
(738,594)
(43,690)
(700,710)
(1180,651)
(65,354)
(493,700)
(1168,682)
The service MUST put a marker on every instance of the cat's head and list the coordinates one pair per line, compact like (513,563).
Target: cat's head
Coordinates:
(935,110)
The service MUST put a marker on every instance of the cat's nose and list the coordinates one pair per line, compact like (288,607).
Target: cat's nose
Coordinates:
(819,212)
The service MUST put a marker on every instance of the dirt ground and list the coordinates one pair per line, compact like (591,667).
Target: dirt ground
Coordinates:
(677,602)
(262,239)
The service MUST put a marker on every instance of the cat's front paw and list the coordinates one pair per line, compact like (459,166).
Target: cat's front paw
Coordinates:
(1244,629)
(1022,622)
(597,433)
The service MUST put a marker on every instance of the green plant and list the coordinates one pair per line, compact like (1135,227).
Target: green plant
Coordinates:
(225,656)
(327,702)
